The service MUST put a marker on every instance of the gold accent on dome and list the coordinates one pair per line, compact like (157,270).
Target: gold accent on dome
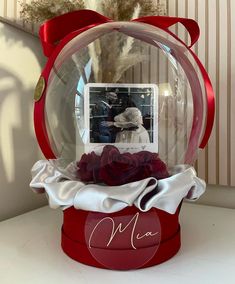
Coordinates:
(39,89)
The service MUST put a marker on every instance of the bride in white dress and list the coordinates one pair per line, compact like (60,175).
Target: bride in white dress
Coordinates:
(131,123)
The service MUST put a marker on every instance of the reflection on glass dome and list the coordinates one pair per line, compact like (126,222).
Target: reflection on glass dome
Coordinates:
(128,84)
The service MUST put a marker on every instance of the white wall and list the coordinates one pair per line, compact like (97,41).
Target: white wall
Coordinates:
(20,66)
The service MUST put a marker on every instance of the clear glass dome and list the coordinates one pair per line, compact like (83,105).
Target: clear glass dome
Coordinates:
(129,84)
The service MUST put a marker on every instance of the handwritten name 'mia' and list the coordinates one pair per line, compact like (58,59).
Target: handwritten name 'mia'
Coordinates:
(120,229)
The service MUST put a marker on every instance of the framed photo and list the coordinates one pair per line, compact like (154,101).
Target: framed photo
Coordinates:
(125,115)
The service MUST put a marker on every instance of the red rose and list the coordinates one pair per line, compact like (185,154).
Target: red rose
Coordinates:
(88,167)
(152,165)
(114,168)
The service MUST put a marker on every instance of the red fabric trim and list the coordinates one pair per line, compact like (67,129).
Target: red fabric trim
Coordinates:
(40,128)
(54,30)
(210,102)
(74,244)
(79,252)
(75,219)
(166,22)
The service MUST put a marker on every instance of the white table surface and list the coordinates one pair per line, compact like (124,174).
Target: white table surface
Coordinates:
(30,252)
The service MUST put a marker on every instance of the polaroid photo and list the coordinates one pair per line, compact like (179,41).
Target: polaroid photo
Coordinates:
(123,115)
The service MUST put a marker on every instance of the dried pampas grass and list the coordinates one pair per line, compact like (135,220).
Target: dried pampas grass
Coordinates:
(130,40)
(125,63)
(112,55)
(40,11)
(123,10)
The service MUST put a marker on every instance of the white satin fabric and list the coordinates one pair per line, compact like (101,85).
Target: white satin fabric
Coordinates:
(64,191)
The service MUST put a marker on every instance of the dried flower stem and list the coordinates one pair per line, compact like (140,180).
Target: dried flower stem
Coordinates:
(112,55)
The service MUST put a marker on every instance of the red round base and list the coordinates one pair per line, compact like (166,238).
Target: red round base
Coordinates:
(128,239)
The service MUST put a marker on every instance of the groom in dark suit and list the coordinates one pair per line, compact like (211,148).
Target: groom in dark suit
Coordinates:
(102,113)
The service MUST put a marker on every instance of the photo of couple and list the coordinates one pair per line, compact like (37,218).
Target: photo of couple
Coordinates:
(121,115)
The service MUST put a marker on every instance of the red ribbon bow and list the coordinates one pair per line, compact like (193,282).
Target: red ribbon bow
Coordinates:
(54,30)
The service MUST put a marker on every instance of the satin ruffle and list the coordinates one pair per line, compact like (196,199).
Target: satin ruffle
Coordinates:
(63,190)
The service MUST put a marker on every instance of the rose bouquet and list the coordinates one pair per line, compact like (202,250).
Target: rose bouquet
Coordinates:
(113,168)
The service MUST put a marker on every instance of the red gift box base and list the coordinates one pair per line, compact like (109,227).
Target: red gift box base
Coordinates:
(128,239)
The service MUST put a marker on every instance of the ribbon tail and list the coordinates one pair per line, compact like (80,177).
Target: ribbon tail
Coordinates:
(57,28)
(164,22)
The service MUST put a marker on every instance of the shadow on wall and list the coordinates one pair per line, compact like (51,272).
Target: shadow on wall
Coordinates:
(24,38)
(18,147)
